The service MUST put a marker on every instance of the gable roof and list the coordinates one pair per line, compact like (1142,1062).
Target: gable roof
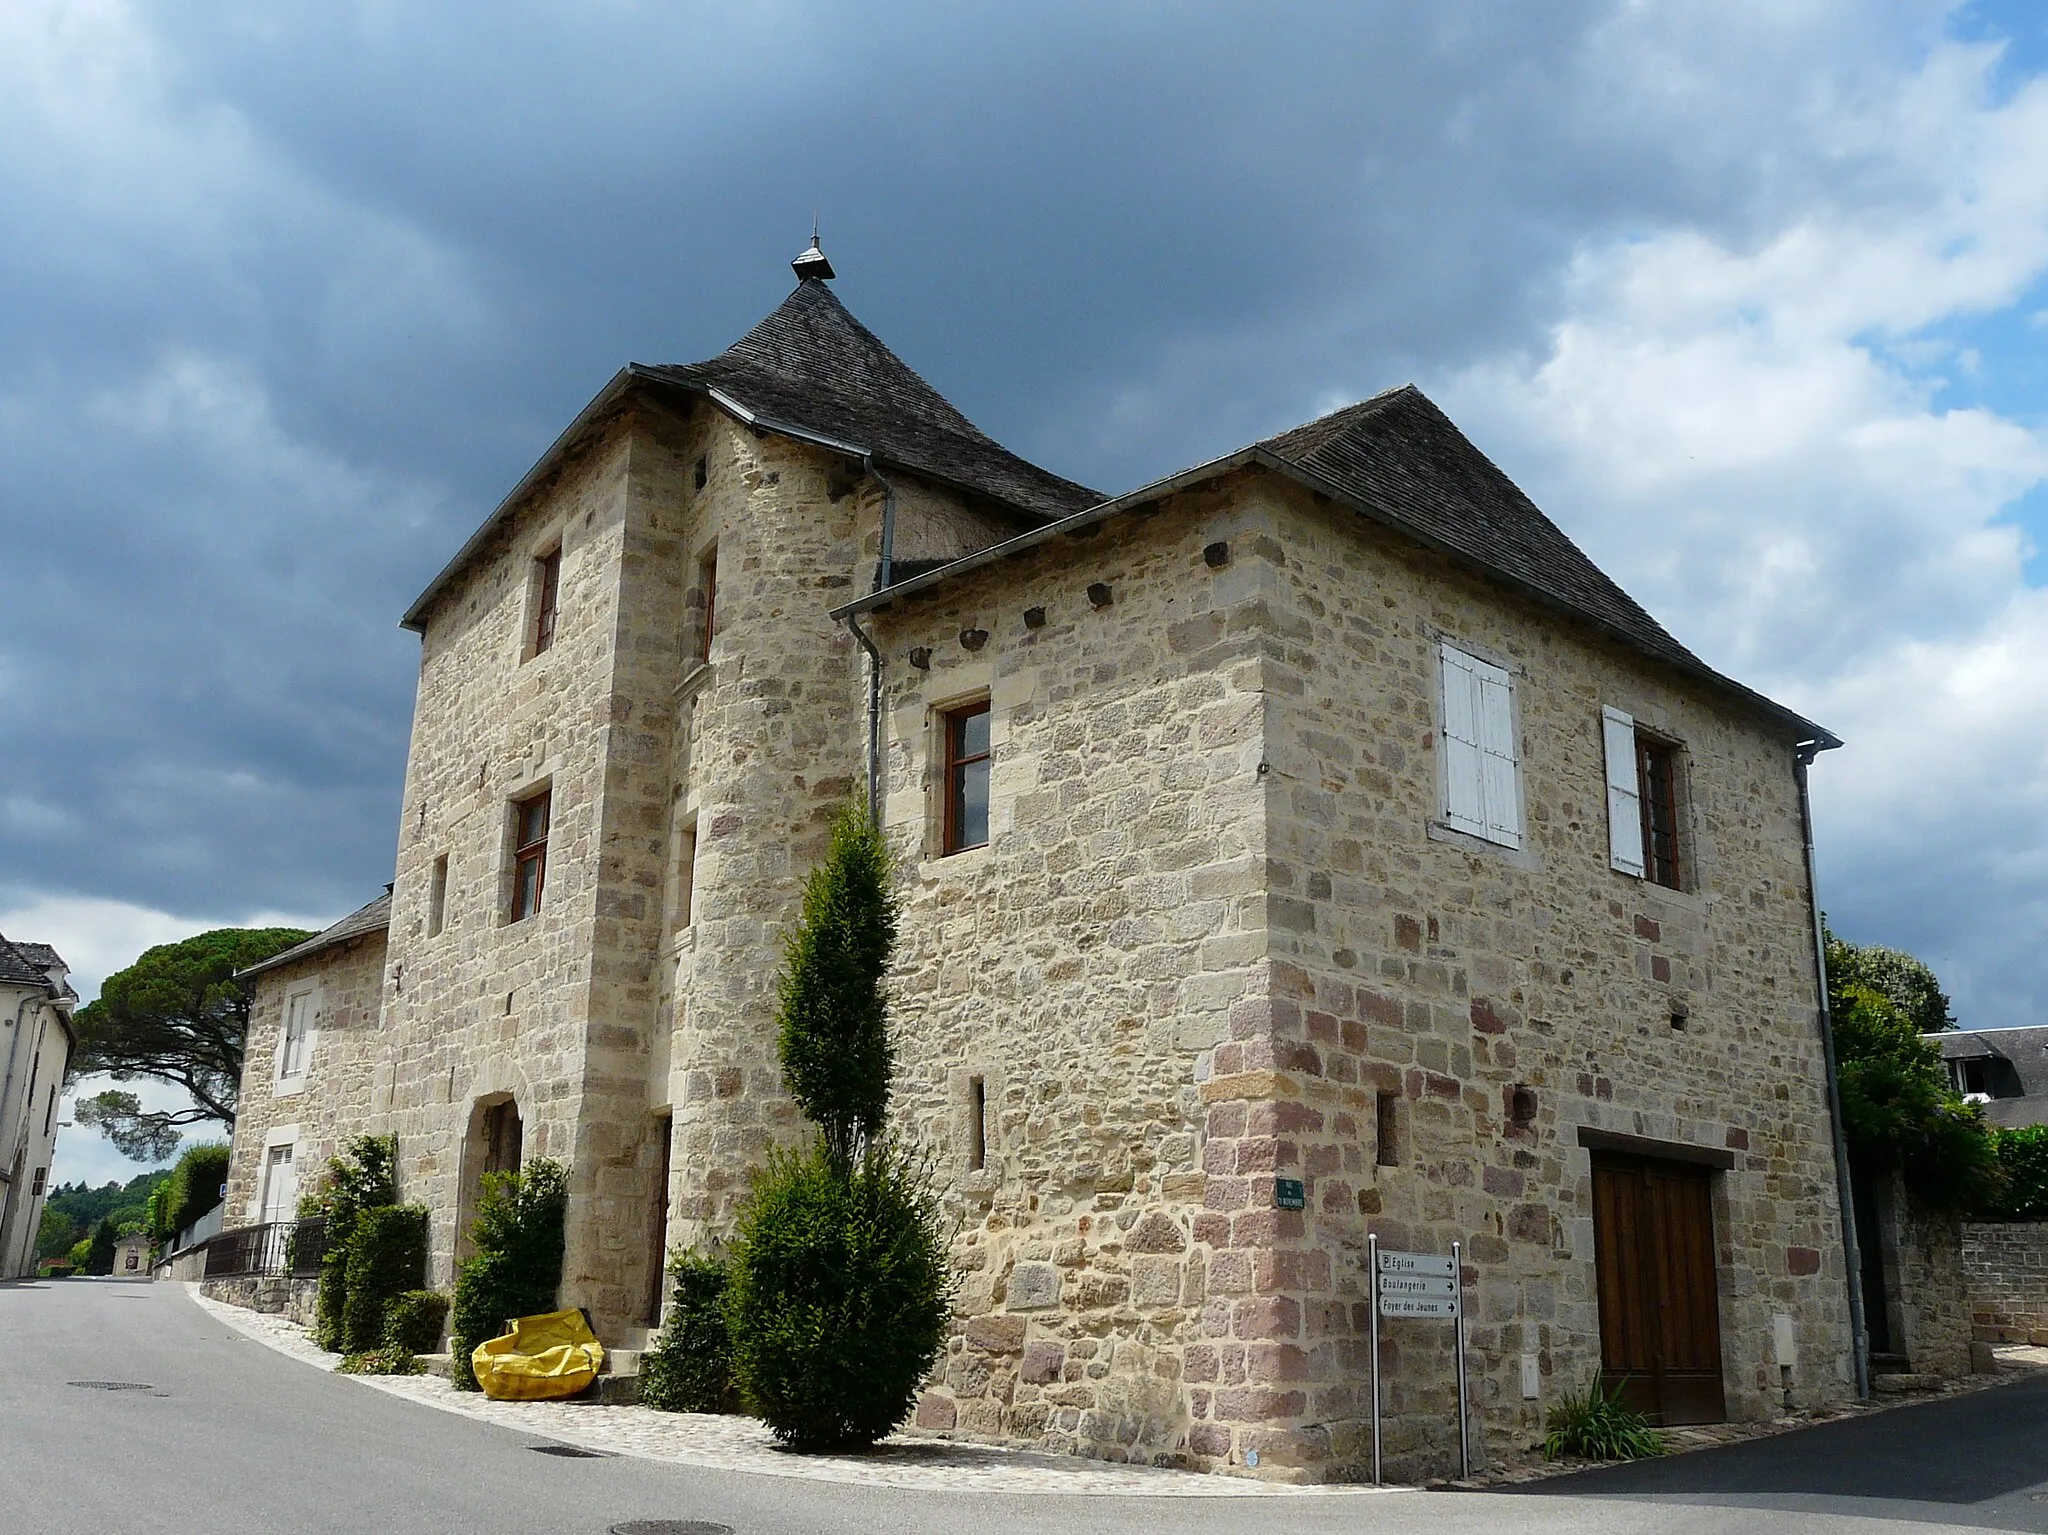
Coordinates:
(810,370)
(373,918)
(2020,1058)
(1398,460)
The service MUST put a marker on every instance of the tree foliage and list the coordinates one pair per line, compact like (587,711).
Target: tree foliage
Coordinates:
(85,1206)
(689,1366)
(832,1026)
(195,1184)
(1899,1110)
(56,1233)
(2023,1161)
(1893,974)
(176,1015)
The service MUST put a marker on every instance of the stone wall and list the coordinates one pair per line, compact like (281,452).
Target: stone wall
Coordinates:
(1438,975)
(2005,1270)
(296,1299)
(1216,934)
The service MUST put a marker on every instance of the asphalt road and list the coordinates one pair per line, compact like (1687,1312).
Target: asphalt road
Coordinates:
(232,1438)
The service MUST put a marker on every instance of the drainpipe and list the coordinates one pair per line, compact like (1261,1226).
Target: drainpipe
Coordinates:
(884,575)
(1852,1250)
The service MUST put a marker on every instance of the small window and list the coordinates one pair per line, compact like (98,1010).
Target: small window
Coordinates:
(1645,834)
(50,1110)
(529,854)
(547,599)
(1972,1075)
(966,737)
(1387,1129)
(977,1124)
(294,1048)
(685,877)
(36,1187)
(437,898)
(707,587)
(1657,772)
(1482,768)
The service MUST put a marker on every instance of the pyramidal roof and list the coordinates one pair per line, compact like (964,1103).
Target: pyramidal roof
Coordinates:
(811,365)
(810,369)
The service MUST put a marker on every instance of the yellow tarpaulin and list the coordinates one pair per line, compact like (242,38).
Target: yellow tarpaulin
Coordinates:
(542,1357)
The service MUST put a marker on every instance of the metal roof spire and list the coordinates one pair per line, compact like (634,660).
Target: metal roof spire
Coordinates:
(812,265)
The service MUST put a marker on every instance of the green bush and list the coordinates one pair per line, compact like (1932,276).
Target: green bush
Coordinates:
(412,1321)
(382,1361)
(2023,1160)
(1596,1426)
(387,1255)
(839,1296)
(1899,1111)
(689,1368)
(517,1267)
(364,1177)
(195,1183)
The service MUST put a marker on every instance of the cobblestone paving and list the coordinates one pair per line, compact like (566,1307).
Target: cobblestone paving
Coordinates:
(743,1444)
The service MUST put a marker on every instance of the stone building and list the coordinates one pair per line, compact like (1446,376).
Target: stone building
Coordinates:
(36,1041)
(1310,845)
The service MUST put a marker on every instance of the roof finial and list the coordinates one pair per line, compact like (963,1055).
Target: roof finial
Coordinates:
(812,265)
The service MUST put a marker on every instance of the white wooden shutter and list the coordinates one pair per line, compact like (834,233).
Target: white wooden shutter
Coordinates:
(1464,779)
(1499,762)
(1624,793)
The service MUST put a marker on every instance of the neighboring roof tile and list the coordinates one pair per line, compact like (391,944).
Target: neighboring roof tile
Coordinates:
(2025,1048)
(812,365)
(373,918)
(17,968)
(40,954)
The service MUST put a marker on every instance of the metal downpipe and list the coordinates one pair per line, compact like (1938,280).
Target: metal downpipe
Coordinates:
(1852,1248)
(884,573)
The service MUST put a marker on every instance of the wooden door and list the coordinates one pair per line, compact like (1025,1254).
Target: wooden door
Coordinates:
(1660,1322)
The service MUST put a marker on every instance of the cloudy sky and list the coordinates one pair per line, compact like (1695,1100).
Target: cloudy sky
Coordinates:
(1752,297)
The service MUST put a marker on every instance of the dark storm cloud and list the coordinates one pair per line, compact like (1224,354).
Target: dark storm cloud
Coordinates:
(292,295)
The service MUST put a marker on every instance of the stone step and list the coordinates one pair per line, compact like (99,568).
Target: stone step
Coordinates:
(1894,1382)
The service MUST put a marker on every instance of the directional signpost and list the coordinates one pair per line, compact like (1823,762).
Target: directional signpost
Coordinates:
(1418,1285)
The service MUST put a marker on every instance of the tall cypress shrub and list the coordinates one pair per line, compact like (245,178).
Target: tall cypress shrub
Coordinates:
(387,1255)
(839,1294)
(363,1177)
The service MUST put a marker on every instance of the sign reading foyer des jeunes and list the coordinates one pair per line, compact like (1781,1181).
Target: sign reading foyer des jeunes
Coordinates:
(1428,1285)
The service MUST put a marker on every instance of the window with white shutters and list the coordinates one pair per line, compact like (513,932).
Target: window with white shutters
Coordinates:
(1624,794)
(1482,768)
(295,1046)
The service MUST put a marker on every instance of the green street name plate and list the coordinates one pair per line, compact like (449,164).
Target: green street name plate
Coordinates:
(1290,1194)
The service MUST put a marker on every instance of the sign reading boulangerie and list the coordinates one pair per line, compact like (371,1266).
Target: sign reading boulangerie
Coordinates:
(1424,1286)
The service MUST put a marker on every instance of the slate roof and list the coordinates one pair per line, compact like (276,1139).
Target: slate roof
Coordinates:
(811,370)
(2019,1078)
(812,365)
(40,954)
(373,918)
(1400,461)
(18,968)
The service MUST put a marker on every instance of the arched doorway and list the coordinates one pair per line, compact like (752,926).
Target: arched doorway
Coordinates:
(494,1143)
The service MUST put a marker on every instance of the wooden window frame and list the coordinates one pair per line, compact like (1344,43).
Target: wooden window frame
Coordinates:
(1662,811)
(952,730)
(532,851)
(547,600)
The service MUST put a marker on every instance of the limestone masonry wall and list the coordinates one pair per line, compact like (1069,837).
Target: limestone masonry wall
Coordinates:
(2005,1268)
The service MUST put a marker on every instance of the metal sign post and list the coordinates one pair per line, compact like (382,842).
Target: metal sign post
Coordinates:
(1372,1250)
(1419,1285)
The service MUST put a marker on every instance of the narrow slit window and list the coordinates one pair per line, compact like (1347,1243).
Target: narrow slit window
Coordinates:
(1387,1126)
(529,854)
(977,1124)
(707,585)
(437,898)
(967,778)
(547,600)
(686,875)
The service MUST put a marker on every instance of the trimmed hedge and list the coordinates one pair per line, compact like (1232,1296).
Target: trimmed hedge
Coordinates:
(387,1255)
(364,1177)
(840,1295)
(412,1321)
(517,1267)
(195,1184)
(689,1368)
